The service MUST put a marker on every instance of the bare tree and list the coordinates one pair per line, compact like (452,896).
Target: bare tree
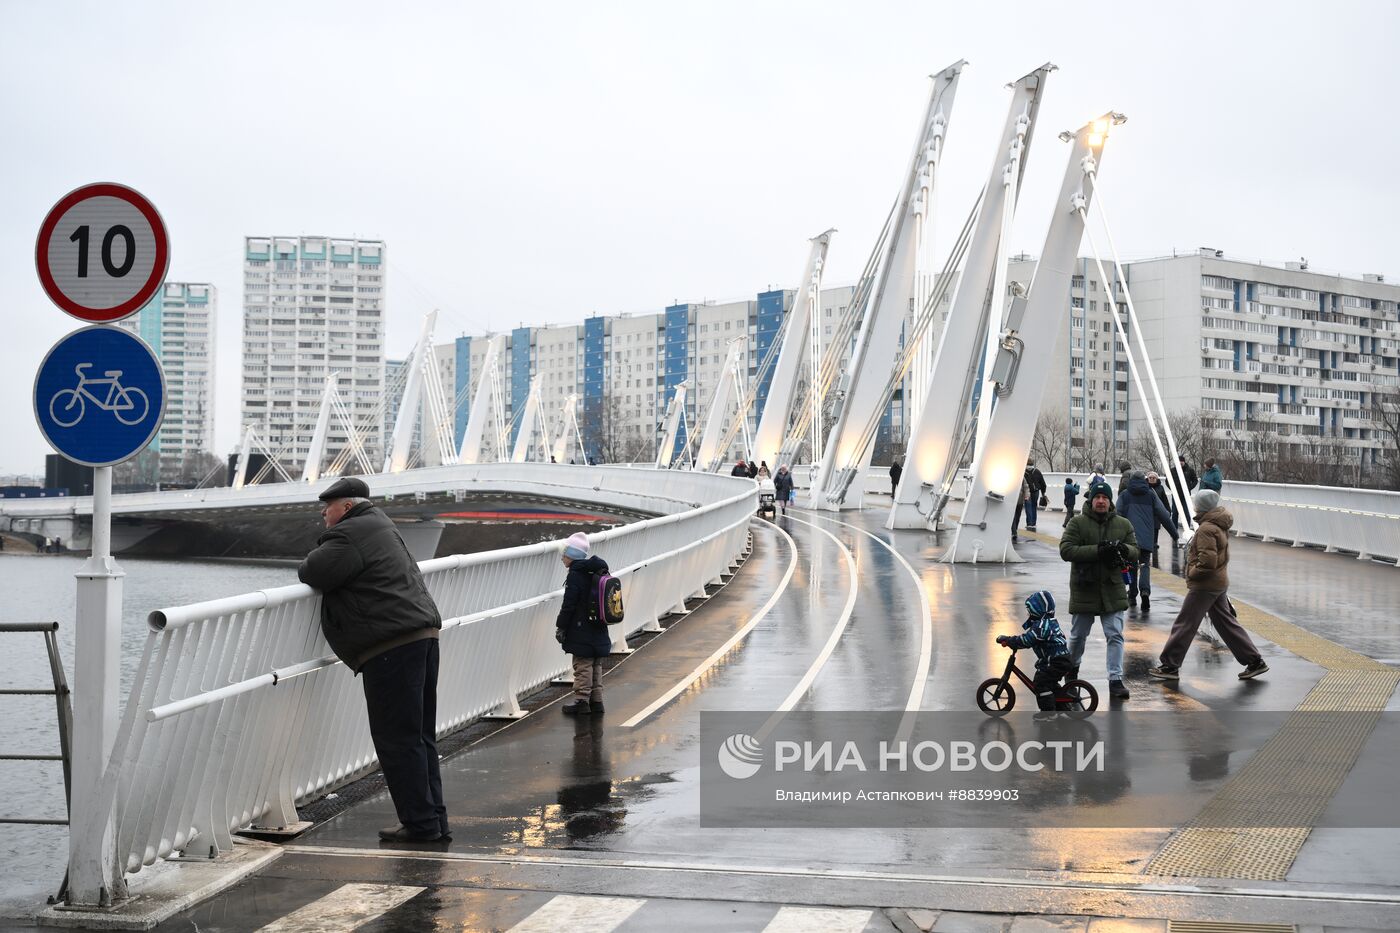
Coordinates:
(1385,416)
(1050,445)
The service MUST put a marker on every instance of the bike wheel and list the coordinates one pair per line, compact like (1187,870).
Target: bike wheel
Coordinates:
(72,409)
(1083,699)
(994,697)
(139,406)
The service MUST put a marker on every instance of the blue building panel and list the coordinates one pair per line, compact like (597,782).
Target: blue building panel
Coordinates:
(594,331)
(463,372)
(768,332)
(677,345)
(519,376)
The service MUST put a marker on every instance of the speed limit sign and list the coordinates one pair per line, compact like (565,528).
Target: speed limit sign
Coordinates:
(102,252)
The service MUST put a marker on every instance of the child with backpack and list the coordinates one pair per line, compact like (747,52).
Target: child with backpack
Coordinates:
(592,599)
(1043,636)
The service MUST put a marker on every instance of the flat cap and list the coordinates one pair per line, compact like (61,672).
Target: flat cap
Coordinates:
(347,487)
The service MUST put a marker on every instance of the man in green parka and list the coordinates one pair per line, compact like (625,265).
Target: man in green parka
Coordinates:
(1099,543)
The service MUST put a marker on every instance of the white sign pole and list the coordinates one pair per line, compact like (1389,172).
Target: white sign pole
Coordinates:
(93,877)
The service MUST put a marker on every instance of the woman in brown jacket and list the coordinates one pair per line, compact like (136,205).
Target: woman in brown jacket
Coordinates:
(1207,580)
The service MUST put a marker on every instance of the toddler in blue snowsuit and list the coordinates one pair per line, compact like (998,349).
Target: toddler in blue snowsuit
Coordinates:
(1043,636)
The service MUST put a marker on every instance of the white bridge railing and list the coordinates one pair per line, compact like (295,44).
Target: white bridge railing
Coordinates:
(239,711)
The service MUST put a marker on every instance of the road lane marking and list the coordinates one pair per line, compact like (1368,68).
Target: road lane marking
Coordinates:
(347,907)
(805,683)
(920,684)
(684,683)
(579,915)
(825,919)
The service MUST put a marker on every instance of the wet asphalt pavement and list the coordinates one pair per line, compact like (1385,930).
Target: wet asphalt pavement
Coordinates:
(601,806)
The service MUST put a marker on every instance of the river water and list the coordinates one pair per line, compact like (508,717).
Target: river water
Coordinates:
(39,588)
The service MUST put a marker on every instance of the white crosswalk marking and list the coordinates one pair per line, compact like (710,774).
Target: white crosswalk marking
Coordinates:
(345,908)
(579,915)
(817,920)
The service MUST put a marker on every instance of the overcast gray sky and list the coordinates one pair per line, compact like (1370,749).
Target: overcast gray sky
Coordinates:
(537,162)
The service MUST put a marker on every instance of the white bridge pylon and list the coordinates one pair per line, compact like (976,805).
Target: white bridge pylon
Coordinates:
(941,432)
(532,426)
(568,430)
(847,451)
(802,334)
(488,405)
(670,425)
(727,401)
(983,531)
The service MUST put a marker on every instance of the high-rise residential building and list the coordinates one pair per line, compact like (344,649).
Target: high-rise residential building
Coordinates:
(1260,358)
(178,324)
(313,306)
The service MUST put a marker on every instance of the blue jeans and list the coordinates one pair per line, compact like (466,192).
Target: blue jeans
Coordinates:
(1112,630)
(1142,576)
(1030,510)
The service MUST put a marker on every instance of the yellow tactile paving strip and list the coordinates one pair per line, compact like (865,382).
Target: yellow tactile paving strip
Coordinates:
(1294,775)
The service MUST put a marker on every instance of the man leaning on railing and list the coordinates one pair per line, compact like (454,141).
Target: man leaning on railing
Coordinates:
(379,619)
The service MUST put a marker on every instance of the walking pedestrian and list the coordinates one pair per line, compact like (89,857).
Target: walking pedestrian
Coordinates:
(1097,476)
(1181,497)
(1035,481)
(753,470)
(1155,483)
(1098,543)
(896,471)
(763,470)
(740,469)
(782,487)
(580,628)
(1022,496)
(1207,585)
(1125,470)
(1071,493)
(1140,505)
(1212,478)
(380,620)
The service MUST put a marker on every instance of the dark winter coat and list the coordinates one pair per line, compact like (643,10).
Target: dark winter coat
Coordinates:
(753,471)
(1208,554)
(896,471)
(585,634)
(372,596)
(1096,587)
(739,470)
(1036,480)
(782,485)
(1142,506)
(1212,479)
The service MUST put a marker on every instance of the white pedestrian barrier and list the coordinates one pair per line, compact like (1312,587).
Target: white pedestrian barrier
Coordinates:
(239,711)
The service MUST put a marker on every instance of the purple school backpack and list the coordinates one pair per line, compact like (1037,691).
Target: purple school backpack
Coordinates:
(609,592)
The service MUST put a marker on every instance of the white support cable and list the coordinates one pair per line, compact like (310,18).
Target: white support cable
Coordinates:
(355,445)
(1174,464)
(437,405)
(1127,346)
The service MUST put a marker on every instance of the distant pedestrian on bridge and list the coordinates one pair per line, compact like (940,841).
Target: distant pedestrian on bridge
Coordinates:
(580,627)
(380,620)
(782,487)
(1181,498)
(1035,481)
(1071,494)
(896,471)
(763,470)
(1207,580)
(740,469)
(1212,478)
(1099,543)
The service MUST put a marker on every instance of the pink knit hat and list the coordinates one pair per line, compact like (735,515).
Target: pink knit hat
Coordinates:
(577,547)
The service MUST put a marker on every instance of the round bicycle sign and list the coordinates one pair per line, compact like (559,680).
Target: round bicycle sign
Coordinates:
(99,396)
(102,252)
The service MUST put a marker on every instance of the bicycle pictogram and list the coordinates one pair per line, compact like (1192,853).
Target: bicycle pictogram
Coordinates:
(68,406)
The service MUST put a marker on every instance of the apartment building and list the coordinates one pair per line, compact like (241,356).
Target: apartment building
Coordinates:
(178,324)
(313,307)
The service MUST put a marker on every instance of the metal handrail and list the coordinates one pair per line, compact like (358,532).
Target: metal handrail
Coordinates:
(64,703)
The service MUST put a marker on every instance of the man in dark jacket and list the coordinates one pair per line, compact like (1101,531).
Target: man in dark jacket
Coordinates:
(782,487)
(1141,506)
(1035,482)
(740,469)
(1071,493)
(1181,498)
(1098,543)
(1212,478)
(580,629)
(380,620)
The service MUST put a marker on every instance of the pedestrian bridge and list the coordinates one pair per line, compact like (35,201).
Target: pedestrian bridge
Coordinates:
(240,720)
